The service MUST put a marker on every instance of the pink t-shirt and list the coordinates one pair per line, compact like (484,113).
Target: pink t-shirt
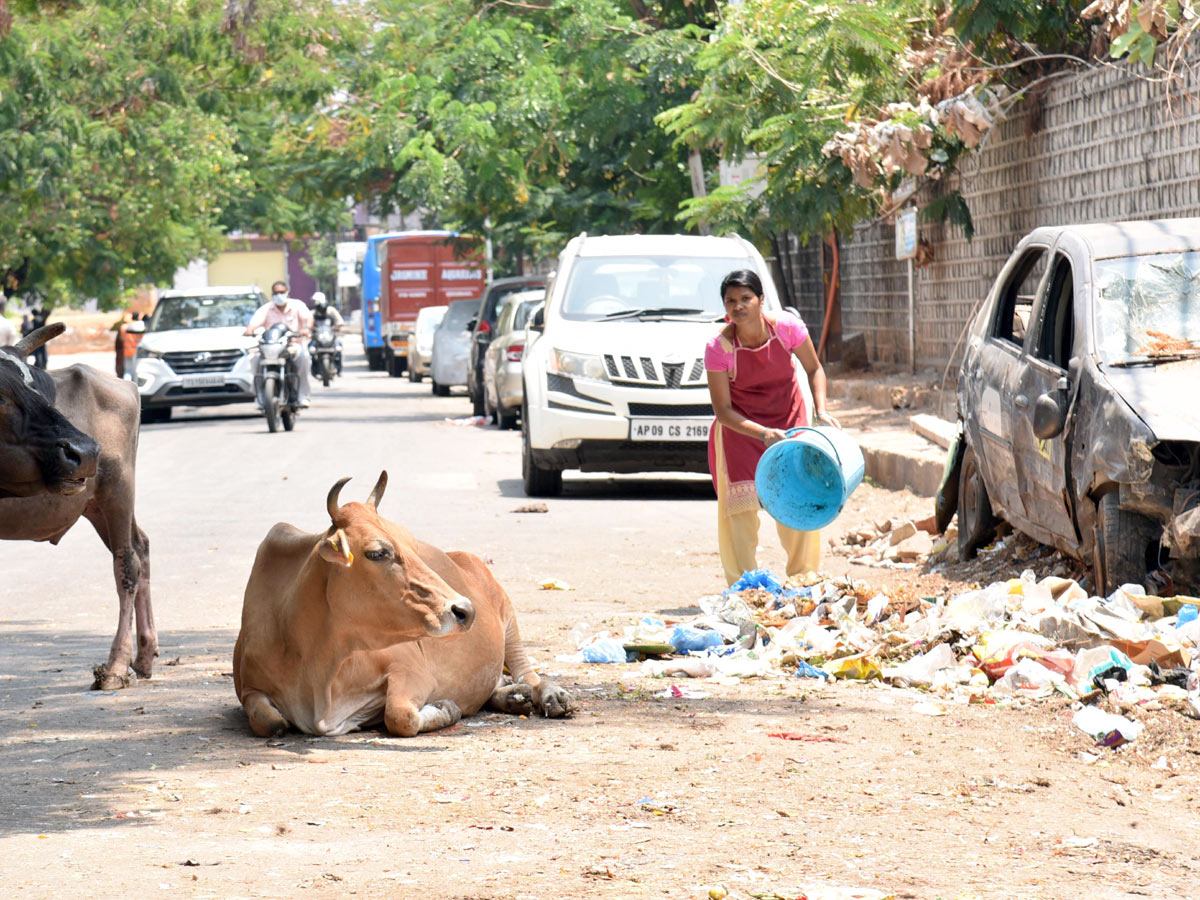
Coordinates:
(791,330)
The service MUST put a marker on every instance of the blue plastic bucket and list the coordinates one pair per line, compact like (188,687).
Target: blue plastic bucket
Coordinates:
(804,481)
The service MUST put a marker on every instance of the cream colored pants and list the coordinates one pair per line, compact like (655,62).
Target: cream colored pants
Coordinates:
(737,538)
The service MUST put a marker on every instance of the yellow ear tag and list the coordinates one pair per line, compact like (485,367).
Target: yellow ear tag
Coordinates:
(338,542)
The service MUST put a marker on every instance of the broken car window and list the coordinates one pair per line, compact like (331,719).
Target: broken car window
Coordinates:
(1056,330)
(1147,308)
(1017,295)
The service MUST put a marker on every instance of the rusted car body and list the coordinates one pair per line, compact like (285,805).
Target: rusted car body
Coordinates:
(1079,401)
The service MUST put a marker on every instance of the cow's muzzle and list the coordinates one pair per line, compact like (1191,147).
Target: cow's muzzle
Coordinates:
(459,615)
(73,461)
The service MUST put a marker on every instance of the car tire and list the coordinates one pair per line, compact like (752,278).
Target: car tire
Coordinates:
(375,360)
(439,390)
(976,522)
(537,481)
(413,377)
(506,420)
(395,366)
(1123,544)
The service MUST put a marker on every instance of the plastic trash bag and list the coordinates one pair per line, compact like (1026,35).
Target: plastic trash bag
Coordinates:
(685,638)
(760,578)
(804,670)
(604,650)
(920,669)
(1108,729)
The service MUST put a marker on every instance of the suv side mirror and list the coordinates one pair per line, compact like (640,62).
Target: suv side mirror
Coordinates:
(1050,411)
(138,327)
(471,325)
(538,322)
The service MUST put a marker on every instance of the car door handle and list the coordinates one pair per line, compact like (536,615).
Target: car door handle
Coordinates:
(1021,401)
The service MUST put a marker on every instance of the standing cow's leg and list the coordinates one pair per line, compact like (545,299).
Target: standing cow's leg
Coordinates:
(553,701)
(114,525)
(405,711)
(147,634)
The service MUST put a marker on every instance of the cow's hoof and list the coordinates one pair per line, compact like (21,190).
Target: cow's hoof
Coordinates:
(556,702)
(106,680)
(514,699)
(143,665)
(437,715)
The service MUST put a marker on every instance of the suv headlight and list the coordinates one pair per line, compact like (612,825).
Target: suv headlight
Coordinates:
(144,352)
(578,365)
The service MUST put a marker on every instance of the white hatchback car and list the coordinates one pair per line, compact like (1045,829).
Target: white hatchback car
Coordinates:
(193,352)
(614,367)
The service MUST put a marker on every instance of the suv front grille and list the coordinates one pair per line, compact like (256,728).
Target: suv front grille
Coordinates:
(671,409)
(185,363)
(649,373)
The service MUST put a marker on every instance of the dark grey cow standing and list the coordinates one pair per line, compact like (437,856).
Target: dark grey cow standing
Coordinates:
(68,444)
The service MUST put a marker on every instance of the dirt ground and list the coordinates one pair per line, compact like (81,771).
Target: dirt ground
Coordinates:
(877,793)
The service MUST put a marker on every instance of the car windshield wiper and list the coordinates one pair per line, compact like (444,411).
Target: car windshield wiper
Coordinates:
(1155,360)
(653,311)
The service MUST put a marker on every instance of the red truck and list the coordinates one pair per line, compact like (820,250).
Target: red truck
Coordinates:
(424,268)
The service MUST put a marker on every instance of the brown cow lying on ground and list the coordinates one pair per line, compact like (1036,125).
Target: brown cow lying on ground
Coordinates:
(363,623)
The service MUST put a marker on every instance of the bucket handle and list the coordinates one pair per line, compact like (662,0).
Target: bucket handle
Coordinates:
(793,431)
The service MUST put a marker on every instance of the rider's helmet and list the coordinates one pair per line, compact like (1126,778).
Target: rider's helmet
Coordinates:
(319,302)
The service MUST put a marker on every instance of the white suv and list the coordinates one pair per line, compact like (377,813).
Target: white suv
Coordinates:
(193,352)
(614,370)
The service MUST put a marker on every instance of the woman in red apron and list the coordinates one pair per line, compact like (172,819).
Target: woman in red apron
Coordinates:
(756,397)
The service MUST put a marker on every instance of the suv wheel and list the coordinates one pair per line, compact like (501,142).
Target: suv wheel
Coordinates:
(538,481)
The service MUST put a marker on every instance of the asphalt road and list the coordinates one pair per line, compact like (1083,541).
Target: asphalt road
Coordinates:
(212,482)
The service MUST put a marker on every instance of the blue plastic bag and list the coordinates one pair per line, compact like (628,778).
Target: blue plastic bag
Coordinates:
(1187,613)
(605,650)
(685,638)
(761,578)
(804,670)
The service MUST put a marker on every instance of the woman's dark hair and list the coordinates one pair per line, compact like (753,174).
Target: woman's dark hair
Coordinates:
(742,278)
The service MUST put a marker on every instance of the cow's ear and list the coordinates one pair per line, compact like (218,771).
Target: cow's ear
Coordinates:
(335,548)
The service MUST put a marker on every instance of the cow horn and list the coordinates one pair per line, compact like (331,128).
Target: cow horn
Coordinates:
(377,492)
(332,500)
(35,339)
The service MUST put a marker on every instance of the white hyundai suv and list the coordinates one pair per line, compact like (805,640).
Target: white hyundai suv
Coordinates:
(193,352)
(613,371)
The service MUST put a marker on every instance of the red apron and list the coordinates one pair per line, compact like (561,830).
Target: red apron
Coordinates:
(764,389)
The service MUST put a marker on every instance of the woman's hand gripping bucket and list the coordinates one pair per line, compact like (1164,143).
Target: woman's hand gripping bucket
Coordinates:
(805,480)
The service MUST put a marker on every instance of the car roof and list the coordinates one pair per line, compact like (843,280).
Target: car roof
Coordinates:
(218,290)
(517,279)
(524,296)
(1105,240)
(663,245)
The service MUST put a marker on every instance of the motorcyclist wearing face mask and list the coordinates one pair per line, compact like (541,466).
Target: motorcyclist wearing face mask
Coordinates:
(293,313)
(322,310)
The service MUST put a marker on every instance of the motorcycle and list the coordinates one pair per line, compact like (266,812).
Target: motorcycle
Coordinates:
(324,351)
(277,383)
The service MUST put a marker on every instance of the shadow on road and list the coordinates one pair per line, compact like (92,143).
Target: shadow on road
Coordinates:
(604,487)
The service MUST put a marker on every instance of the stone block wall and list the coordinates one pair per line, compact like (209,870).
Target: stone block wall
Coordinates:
(1110,146)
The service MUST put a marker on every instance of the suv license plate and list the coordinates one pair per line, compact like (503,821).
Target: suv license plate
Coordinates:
(669,429)
(203,381)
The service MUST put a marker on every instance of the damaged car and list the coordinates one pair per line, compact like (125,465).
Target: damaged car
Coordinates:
(1077,420)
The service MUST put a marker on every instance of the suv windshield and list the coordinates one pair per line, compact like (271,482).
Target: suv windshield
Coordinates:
(211,311)
(1148,308)
(607,287)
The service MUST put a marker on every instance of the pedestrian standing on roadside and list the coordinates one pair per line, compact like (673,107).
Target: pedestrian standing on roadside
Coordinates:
(36,319)
(756,397)
(8,334)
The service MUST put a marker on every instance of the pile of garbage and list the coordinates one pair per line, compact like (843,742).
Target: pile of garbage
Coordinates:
(892,544)
(1023,637)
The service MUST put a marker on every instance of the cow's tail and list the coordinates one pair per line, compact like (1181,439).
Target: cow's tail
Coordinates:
(516,660)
